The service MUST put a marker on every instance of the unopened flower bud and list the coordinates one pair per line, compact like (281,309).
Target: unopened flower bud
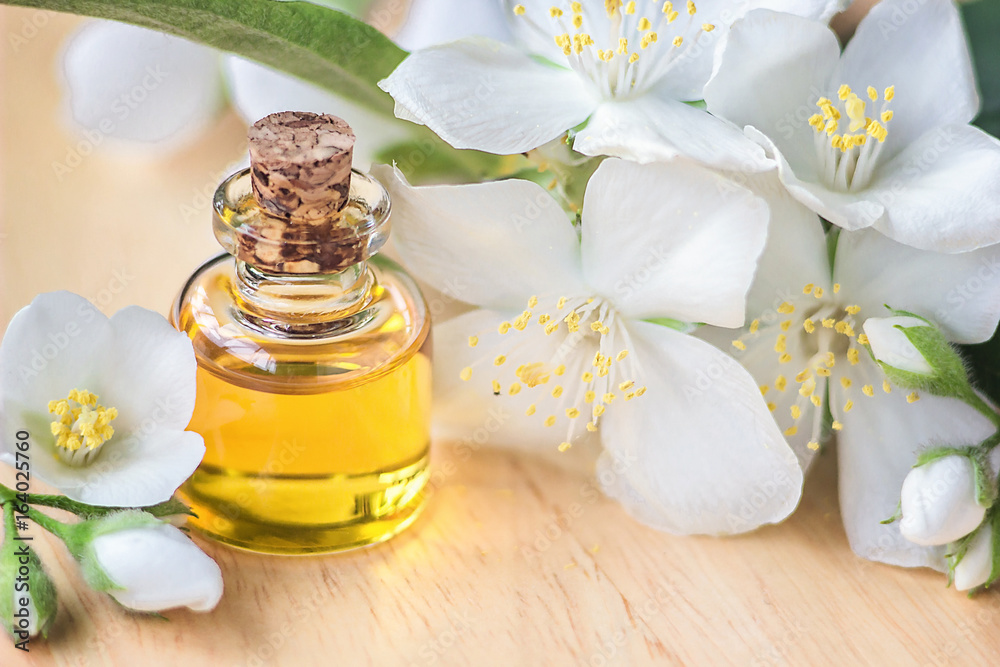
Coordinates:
(938,501)
(27,596)
(892,347)
(976,565)
(147,564)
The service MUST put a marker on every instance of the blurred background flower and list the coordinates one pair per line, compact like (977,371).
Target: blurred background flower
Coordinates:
(144,92)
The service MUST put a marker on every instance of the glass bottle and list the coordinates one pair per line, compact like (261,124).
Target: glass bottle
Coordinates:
(314,378)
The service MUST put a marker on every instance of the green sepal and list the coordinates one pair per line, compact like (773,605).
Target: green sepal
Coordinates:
(896,516)
(995,570)
(79,540)
(986,485)
(931,454)
(955,556)
(949,376)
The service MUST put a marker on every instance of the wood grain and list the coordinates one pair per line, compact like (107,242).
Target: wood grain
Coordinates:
(515,561)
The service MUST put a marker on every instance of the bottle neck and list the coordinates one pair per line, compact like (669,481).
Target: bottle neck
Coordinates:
(303,305)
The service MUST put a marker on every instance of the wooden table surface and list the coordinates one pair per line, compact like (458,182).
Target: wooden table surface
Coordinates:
(515,561)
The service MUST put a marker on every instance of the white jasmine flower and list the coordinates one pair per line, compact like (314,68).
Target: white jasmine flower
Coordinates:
(561,344)
(128,84)
(806,348)
(976,567)
(105,401)
(890,345)
(152,567)
(938,502)
(876,136)
(626,69)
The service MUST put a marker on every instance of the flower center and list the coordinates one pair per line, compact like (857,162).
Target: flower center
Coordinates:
(847,158)
(631,57)
(82,426)
(588,371)
(831,336)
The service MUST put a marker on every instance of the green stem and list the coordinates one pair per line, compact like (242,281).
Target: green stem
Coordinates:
(982,407)
(9,528)
(57,528)
(160,510)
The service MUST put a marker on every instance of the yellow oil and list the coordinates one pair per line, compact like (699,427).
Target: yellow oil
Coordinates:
(321,456)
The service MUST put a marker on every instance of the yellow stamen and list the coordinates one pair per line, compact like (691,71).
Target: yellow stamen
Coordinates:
(813,445)
(886,387)
(913,397)
(836,426)
(466,373)
(791,430)
(85,424)
(780,383)
(519,10)
(531,410)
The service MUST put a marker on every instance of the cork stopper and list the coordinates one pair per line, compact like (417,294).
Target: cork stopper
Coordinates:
(299,208)
(300,165)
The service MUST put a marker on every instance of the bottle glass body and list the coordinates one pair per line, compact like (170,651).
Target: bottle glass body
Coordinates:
(314,401)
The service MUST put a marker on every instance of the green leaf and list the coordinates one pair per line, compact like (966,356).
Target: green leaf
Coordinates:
(427,160)
(315,43)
